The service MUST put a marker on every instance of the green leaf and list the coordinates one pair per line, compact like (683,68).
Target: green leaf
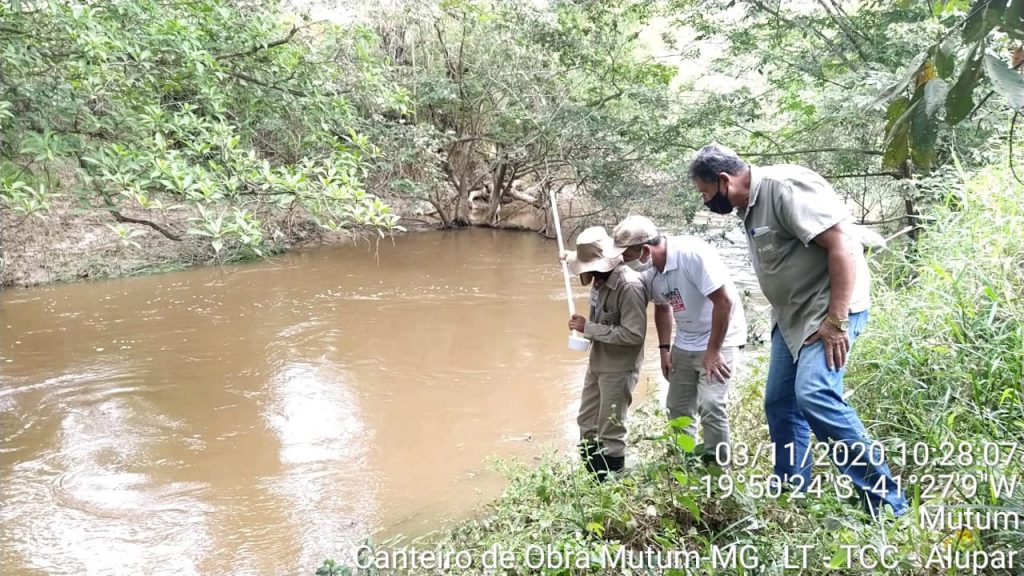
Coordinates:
(1013,20)
(983,16)
(996,12)
(924,122)
(840,558)
(691,505)
(686,442)
(1006,81)
(897,147)
(935,95)
(960,99)
(900,85)
(944,56)
(897,108)
(680,422)
(941,8)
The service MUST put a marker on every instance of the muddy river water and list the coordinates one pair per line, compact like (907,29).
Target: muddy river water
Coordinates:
(256,419)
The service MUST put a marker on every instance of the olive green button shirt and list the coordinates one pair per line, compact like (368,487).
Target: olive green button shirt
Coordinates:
(789,206)
(618,323)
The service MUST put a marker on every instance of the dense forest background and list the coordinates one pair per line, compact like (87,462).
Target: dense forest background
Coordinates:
(200,130)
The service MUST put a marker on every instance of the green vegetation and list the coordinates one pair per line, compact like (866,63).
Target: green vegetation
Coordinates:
(224,111)
(215,118)
(227,116)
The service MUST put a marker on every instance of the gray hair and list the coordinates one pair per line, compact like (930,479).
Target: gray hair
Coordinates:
(712,160)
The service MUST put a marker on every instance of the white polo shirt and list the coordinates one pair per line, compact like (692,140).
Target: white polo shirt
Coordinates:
(693,270)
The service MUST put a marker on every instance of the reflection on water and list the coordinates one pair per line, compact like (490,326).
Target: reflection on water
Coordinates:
(258,419)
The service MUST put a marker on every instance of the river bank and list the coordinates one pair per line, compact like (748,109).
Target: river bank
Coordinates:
(68,243)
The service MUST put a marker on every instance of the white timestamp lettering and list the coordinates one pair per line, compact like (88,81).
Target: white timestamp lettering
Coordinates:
(946,557)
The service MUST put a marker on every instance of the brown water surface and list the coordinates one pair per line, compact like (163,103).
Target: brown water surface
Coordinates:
(260,418)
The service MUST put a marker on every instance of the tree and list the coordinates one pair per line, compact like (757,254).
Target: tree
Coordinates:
(231,112)
(961,52)
(815,73)
(520,97)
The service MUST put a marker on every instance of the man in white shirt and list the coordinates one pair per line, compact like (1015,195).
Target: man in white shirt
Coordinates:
(689,283)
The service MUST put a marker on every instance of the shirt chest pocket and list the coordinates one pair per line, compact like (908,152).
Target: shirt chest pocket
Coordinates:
(768,245)
(610,316)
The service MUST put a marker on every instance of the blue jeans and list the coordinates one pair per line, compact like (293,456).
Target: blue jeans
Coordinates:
(805,396)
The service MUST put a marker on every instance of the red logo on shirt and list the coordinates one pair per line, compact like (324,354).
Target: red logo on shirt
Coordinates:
(676,300)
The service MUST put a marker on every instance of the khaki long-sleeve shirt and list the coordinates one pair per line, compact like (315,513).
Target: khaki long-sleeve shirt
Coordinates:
(618,323)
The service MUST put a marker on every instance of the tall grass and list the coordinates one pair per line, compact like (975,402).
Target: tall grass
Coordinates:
(945,342)
(942,361)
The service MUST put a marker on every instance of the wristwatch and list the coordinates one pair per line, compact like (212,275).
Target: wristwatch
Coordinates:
(665,346)
(842,324)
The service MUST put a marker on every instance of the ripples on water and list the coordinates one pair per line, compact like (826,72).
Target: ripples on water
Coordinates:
(260,420)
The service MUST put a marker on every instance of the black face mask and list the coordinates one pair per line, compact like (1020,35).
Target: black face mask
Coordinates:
(719,204)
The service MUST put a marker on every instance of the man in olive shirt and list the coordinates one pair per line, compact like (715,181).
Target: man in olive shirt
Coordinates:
(816,279)
(616,327)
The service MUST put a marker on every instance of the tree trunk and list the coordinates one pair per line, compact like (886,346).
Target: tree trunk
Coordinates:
(462,202)
(549,221)
(911,217)
(437,202)
(497,191)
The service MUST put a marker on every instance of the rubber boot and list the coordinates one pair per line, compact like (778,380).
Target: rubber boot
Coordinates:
(604,464)
(616,464)
(589,449)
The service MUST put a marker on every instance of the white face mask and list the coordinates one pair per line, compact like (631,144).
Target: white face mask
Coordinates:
(638,265)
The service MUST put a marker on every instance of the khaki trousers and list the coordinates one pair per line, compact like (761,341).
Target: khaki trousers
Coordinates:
(690,394)
(603,405)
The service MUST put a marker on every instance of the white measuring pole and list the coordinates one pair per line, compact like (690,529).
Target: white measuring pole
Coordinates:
(561,248)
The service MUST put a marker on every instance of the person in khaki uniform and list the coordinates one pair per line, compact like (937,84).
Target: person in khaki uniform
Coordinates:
(690,284)
(815,276)
(616,327)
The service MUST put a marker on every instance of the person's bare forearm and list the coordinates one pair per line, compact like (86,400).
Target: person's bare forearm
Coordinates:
(842,272)
(663,323)
(720,314)
(842,269)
